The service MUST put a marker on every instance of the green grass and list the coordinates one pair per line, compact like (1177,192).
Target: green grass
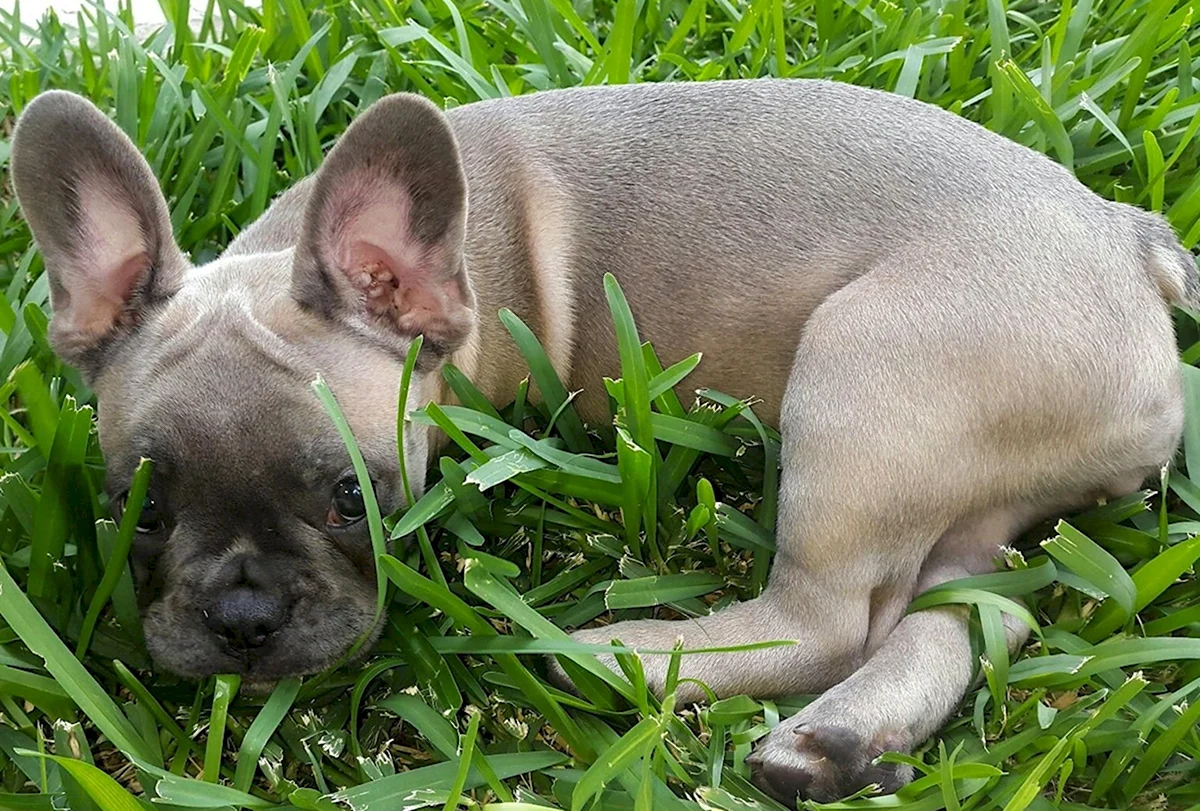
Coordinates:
(672,517)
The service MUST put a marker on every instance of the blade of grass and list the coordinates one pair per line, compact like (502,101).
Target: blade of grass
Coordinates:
(115,567)
(226,688)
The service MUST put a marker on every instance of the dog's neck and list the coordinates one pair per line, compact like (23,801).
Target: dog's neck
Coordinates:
(517,259)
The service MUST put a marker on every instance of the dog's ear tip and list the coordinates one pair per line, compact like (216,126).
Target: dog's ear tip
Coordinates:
(60,97)
(50,101)
(56,131)
(398,115)
(50,109)
(403,101)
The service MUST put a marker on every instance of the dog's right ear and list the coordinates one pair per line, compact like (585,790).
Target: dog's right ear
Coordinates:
(99,219)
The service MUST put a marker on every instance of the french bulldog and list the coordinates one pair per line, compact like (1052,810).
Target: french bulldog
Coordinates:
(954,336)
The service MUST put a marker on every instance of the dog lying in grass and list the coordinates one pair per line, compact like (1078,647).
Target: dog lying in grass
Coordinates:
(954,337)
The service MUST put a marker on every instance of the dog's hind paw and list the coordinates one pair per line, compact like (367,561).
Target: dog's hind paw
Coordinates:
(825,762)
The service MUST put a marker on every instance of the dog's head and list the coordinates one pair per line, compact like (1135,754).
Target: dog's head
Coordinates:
(252,554)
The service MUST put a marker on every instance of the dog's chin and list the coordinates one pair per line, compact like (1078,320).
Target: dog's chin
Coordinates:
(259,671)
(265,666)
(261,683)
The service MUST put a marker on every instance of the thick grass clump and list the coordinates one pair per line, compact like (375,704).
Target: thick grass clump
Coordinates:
(535,523)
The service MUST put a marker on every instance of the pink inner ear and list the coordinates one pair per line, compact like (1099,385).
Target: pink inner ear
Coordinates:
(408,292)
(400,277)
(111,259)
(110,296)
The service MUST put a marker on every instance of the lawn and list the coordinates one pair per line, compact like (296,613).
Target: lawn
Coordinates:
(453,708)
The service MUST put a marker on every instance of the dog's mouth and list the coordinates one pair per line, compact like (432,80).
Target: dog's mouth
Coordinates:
(255,683)
(306,639)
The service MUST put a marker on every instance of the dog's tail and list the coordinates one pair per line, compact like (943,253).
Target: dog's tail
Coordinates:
(1169,264)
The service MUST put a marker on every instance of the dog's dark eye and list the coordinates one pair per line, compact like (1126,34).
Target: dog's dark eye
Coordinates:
(348,505)
(148,520)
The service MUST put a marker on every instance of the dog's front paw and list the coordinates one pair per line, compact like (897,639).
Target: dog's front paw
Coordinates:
(592,636)
(825,761)
(640,634)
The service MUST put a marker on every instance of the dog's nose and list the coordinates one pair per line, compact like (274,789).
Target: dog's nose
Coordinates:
(251,607)
(244,617)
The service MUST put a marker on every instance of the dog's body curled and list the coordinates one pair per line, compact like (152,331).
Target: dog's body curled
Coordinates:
(954,336)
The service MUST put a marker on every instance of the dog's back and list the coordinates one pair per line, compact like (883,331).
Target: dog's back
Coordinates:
(745,204)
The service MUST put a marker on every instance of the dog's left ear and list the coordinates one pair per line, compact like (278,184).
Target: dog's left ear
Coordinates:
(382,249)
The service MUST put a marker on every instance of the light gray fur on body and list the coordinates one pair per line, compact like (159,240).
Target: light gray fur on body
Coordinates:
(954,336)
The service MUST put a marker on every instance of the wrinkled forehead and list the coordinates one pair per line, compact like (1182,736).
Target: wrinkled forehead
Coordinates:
(219,382)
(217,409)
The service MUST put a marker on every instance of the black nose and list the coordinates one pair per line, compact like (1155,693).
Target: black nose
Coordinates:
(245,617)
(249,610)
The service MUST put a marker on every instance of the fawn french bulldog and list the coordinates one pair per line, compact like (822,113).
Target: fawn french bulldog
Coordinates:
(954,336)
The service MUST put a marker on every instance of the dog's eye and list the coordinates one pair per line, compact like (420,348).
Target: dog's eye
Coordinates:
(148,519)
(348,505)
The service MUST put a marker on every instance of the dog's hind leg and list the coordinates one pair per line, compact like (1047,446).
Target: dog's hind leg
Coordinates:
(981,416)
(916,674)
